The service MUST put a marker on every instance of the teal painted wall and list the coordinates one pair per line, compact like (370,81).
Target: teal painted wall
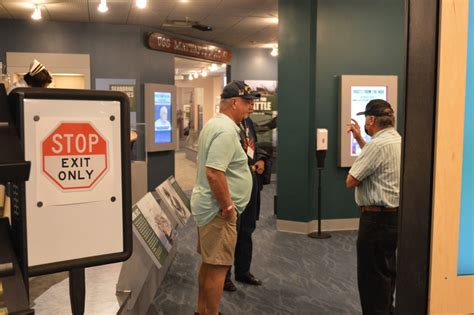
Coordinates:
(367,38)
(296,109)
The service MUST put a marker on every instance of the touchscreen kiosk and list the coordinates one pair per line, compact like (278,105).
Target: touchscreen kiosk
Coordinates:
(355,92)
(160,117)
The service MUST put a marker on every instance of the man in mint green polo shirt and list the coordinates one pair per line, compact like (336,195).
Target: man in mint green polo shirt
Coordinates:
(222,191)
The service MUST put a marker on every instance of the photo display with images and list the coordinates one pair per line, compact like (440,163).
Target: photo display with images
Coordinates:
(175,200)
(154,227)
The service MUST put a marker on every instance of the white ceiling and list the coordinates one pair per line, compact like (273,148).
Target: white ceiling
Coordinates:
(236,23)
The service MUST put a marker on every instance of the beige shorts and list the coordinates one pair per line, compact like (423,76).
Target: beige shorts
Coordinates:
(217,239)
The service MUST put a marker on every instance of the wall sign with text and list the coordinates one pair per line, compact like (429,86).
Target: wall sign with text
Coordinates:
(162,42)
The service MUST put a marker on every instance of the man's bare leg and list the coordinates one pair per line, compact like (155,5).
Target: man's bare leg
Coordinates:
(214,286)
(201,292)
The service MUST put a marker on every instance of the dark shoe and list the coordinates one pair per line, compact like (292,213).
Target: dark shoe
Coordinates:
(229,286)
(248,279)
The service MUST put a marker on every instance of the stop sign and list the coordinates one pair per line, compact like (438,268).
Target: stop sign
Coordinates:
(74,156)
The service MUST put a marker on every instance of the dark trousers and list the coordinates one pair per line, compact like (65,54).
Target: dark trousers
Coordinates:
(246,225)
(376,261)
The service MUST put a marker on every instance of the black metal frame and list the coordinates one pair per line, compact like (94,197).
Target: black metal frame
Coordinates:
(16,98)
(414,243)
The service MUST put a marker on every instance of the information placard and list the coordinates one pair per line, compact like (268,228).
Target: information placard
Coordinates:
(175,200)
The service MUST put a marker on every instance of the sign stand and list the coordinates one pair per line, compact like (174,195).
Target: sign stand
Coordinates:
(77,290)
(319,234)
(142,278)
(321,149)
(78,144)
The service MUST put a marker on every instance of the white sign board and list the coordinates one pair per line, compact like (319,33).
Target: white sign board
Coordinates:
(74,195)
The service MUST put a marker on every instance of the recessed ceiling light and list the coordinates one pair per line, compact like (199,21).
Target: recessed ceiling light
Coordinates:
(103,6)
(273,20)
(274,52)
(184,1)
(141,4)
(36,13)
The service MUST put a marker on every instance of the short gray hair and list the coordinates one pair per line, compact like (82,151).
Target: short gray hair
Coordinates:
(225,102)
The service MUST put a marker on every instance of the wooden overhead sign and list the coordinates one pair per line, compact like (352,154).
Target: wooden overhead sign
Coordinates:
(161,42)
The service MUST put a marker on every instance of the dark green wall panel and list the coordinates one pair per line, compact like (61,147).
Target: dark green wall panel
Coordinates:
(364,37)
(296,98)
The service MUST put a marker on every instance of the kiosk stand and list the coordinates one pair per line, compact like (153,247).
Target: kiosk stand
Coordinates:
(321,148)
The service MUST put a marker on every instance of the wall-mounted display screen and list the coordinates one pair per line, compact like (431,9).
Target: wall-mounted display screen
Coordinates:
(163,126)
(360,96)
(160,117)
(355,92)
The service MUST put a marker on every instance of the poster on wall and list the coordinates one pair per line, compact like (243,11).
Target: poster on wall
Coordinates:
(127,86)
(265,114)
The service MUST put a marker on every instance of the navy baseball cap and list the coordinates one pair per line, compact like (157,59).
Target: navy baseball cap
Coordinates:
(377,108)
(239,89)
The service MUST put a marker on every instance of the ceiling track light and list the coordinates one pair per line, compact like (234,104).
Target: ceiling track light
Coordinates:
(102,8)
(141,4)
(36,13)
(190,77)
(195,75)
(204,73)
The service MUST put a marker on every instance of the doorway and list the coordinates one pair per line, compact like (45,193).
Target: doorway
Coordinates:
(198,87)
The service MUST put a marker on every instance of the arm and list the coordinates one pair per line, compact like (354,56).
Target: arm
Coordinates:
(351,182)
(260,154)
(218,185)
(355,129)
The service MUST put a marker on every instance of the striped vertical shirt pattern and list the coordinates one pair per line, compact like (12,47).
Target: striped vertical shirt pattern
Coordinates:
(378,170)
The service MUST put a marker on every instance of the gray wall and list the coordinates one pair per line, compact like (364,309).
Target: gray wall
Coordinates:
(253,64)
(116,51)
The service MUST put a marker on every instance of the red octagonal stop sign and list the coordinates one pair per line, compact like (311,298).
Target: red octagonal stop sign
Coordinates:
(74,156)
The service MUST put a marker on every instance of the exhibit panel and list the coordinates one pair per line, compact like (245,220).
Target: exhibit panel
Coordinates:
(355,92)
(451,276)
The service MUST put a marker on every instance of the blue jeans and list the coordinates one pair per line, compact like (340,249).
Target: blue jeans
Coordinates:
(376,261)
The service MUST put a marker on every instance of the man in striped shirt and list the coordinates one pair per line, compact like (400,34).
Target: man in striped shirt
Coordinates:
(375,175)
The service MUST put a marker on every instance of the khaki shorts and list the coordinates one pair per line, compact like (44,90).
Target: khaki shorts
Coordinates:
(217,239)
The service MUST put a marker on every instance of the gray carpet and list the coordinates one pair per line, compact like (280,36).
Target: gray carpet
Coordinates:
(300,275)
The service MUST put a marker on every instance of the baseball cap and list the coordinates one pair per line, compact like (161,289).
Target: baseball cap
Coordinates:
(239,89)
(377,108)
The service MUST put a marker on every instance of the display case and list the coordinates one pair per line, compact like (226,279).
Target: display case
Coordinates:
(191,145)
